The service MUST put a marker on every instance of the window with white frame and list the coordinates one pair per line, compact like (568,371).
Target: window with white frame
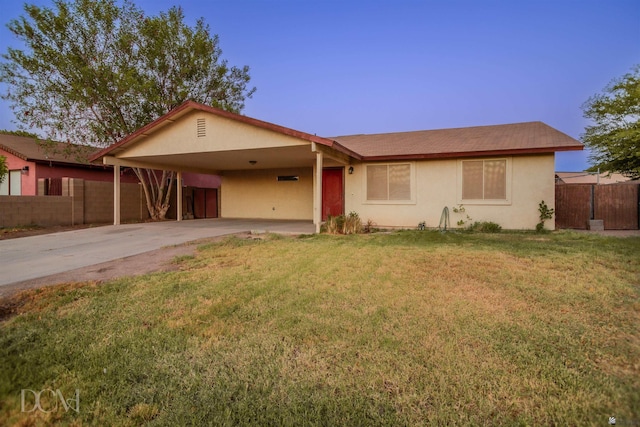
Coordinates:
(484,179)
(12,184)
(389,182)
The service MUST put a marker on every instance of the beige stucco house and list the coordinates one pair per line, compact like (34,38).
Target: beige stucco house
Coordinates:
(499,173)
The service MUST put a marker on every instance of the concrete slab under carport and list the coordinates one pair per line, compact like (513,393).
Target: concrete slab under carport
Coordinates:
(44,255)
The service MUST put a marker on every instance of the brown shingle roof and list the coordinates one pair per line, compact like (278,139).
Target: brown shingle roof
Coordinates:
(30,149)
(517,138)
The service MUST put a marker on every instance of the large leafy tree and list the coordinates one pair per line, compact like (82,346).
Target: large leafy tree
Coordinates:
(19,133)
(614,138)
(95,71)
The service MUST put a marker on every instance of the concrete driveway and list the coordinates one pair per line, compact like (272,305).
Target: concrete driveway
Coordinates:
(44,255)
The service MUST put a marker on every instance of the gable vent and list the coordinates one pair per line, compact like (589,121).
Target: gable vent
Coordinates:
(201,128)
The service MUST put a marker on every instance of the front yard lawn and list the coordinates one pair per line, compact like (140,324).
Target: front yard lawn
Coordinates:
(406,328)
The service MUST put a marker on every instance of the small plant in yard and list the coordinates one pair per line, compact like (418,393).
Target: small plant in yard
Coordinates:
(344,224)
(369,227)
(545,214)
(485,227)
(352,224)
(461,211)
(333,224)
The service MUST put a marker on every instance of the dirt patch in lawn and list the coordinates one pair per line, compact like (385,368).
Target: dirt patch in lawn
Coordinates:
(17,232)
(159,260)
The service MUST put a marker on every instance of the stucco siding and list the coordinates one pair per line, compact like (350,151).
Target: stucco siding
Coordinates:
(219,134)
(437,183)
(259,194)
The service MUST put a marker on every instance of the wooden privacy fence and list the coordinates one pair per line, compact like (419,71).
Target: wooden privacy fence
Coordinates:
(50,186)
(615,204)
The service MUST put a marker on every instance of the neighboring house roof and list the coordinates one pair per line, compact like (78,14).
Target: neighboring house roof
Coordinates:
(591,178)
(517,138)
(40,151)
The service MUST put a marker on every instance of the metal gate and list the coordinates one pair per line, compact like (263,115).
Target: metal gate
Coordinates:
(615,204)
(205,203)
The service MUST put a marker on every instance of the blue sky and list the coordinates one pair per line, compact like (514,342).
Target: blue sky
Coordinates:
(347,67)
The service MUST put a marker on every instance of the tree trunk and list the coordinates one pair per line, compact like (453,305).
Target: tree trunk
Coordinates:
(158,213)
(157,191)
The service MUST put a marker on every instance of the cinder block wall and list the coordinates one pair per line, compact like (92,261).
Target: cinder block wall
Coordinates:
(74,188)
(98,202)
(82,202)
(41,210)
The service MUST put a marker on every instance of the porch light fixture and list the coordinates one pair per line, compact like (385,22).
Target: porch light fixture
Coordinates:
(25,170)
(350,170)
(253,162)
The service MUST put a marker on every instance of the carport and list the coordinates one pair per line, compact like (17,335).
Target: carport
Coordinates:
(268,171)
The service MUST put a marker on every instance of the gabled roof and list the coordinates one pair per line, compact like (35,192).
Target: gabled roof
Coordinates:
(32,150)
(517,138)
(189,106)
(508,139)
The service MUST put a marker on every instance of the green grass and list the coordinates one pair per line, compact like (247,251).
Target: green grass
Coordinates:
(406,328)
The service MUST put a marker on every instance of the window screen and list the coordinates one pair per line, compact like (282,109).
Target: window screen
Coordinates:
(495,179)
(377,182)
(484,179)
(389,182)
(472,180)
(399,182)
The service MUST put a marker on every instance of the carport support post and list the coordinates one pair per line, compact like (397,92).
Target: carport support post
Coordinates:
(116,194)
(317,208)
(179,196)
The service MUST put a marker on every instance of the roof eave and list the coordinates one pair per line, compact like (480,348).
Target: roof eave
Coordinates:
(68,164)
(465,154)
(15,153)
(341,148)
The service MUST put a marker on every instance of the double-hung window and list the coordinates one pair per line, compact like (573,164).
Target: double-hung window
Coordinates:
(389,182)
(485,180)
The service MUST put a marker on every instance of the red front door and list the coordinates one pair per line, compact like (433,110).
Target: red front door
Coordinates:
(332,192)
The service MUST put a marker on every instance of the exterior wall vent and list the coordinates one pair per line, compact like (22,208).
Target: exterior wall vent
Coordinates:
(201,128)
(288,178)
